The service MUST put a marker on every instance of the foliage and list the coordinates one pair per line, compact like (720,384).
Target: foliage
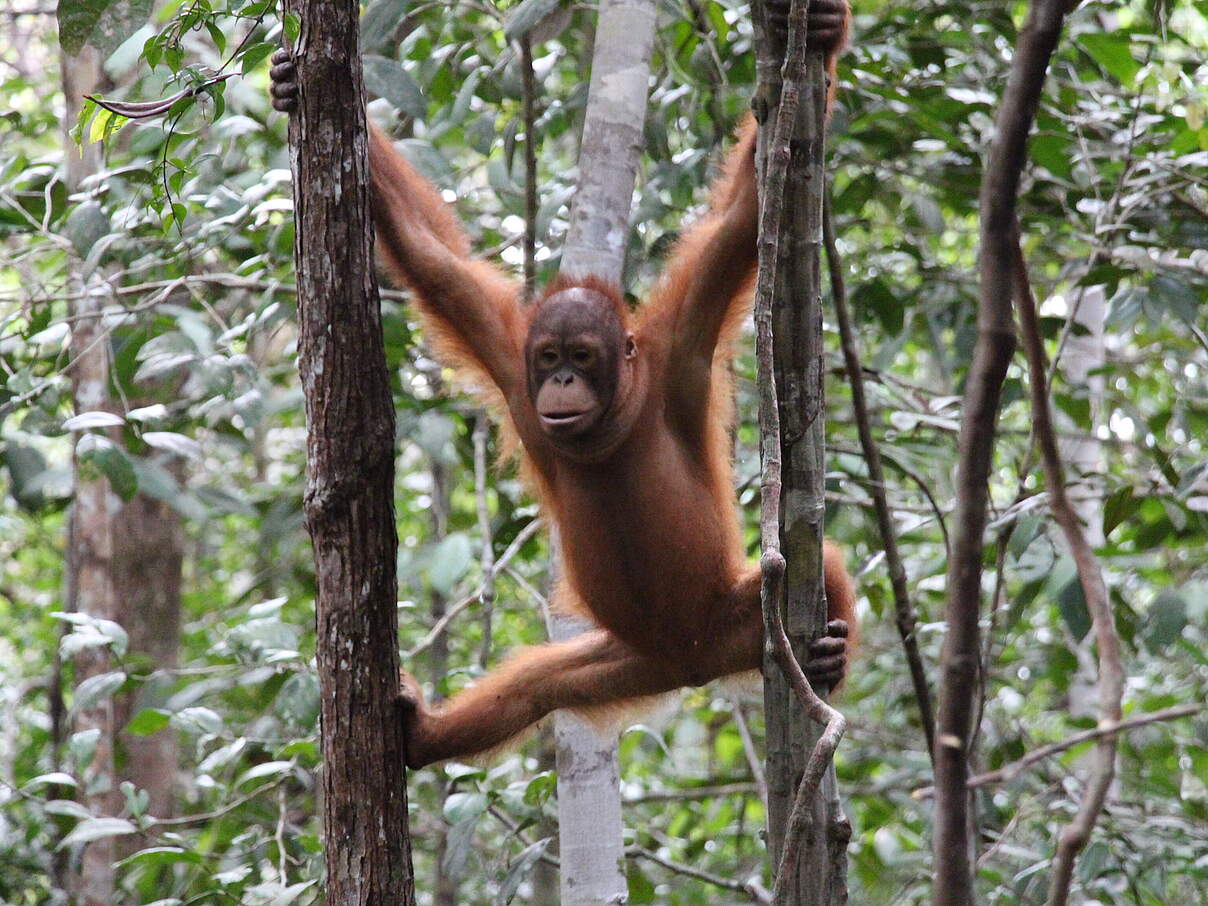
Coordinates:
(188,229)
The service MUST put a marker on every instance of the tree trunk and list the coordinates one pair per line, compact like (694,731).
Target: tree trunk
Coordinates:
(148,548)
(348,503)
(445,892)
(819,878)
(92,516)
(1082,451)
(998,236)
(589,798)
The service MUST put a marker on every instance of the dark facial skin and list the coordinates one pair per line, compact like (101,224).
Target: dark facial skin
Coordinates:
(574,354)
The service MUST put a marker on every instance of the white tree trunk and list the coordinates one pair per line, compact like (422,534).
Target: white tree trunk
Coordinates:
(1083,454)
(589,797)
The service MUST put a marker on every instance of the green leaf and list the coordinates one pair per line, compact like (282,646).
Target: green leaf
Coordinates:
(97,829)
(55,777)
(178,444)
(480,132)
(425,158)
(153,51)
(1179,296)
(519,870)
(273,893)
(461,807)
(1053,153)
(1072,604)
(380,23)
(450,561)
(217,36)
(717,18)
(148,721)
(298,699)
(82,745)
(93,419)
(540,788)
(137,801)
(641,891)
(68,808)
(387,79)
(96,688)
(527,16)
(1165,621)
(1078,408)
(1113,53)
(111,461)
(197,720)
(256,54)
(25,467)
(1119,507)
(876,298)
(161,855)
(459,842)
(1093,861)
(465,96)
(293,27)
(89,631)
(1191,480)
(268,769)
(103,24)
(86,224)
(455,770)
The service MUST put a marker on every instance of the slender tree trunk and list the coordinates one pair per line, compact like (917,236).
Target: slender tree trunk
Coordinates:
(445,893)
(954,869)
(794,260)
(612,139)
(94,507)
(544,877)
(148,549)
(589,799)
(1083,452)
(349,498)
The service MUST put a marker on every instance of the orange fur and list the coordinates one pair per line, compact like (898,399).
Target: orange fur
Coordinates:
(650,537)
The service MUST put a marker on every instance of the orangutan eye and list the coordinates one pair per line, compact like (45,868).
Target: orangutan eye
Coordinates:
(548,357)
(581,357)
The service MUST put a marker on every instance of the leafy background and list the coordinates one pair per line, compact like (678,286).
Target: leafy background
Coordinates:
(189,223)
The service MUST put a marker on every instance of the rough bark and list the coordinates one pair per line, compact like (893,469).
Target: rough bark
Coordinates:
(93,509)
(348,501)
(991,355)
(589,800)
(807,831)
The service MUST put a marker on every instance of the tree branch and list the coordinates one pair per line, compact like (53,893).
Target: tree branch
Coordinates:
(1094,590)
(752,888)
(748,749)
(1010,771)
(499,565)
(904,612)
(991,355)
